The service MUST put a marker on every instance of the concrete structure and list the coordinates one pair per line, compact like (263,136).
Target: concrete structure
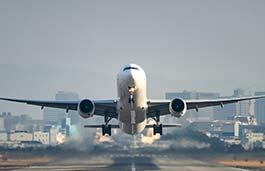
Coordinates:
(52,138)
(20,136)
(9,122)
(236,128)
(2,124)
(66,124)
(243,108)
(252,140)
(254,128)
(3,136)
(43,137)
(228,130)
(260,109)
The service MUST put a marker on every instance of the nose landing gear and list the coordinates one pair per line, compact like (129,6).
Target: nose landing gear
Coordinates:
(131,99)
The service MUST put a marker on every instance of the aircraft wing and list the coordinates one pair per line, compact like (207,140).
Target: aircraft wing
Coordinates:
(162,106)
(101,106)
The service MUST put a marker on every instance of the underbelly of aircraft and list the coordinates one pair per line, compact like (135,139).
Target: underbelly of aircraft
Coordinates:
(132,129)
(132,105)
(132,121)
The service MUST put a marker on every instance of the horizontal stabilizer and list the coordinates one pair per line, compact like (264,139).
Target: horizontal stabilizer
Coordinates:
(147,126)
(166,126)
(100,126)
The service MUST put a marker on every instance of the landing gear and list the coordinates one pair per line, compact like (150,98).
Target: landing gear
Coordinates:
(157,128)
(131,99)
(106,128)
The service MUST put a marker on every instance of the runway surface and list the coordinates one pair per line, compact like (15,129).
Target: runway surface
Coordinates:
(124,162)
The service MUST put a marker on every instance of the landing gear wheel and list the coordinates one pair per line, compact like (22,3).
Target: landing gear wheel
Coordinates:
(106,129)
(131,99)
(157,129)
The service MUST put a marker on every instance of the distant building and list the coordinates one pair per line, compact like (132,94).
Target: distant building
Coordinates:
(66,124)
(3,136)
(9,122)
(20,136)
(243,108)
(230,111)
(36,125)
(228,130)
(2,124)
(43,137)
(52,138)
(252,140)
(260,108)
(211,129)
(55,116)
(253,128)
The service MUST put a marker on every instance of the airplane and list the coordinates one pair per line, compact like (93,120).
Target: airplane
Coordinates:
(131,108)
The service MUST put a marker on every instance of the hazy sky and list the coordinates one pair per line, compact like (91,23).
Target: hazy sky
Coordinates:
(193,41)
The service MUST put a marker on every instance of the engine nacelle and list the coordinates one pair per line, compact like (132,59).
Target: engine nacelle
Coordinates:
(86,108)
(177,107)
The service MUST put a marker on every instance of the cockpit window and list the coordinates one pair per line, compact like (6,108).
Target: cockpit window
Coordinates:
(128,68)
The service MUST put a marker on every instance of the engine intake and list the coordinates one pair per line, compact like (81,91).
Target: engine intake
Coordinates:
(177,107)
(86,108)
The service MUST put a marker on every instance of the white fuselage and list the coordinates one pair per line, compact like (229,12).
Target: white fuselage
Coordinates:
(132,103)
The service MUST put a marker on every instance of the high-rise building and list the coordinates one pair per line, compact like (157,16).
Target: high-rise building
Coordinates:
(2,124)
(10,121)
(230,111)
(243,107)
(260,108)
(55,116)
(226,113)
(53,133)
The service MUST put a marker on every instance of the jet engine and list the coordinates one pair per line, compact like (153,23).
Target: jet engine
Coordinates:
(86,108)
(177,107)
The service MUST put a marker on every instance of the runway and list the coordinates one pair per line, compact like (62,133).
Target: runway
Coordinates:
(124,162)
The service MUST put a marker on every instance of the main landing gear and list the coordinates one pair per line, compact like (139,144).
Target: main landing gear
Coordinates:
(106,128)
(157,128)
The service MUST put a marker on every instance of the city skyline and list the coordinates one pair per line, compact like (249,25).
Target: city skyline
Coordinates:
(116,85)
